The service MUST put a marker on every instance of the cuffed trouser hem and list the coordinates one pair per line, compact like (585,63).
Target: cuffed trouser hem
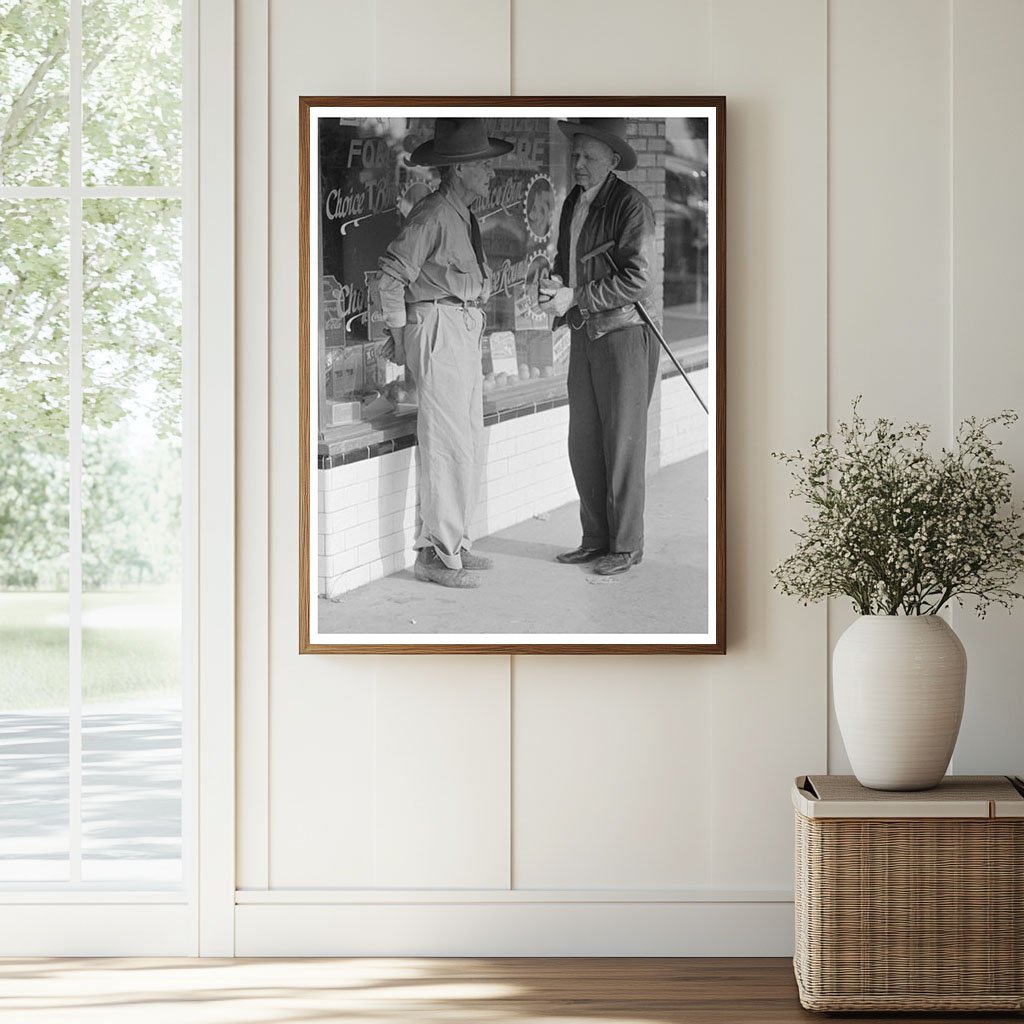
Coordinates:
(450,561)
(627,546)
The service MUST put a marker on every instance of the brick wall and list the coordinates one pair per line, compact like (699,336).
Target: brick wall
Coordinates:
(647,137)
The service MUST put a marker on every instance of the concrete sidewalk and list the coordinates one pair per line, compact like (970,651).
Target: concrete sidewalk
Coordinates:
(527,591)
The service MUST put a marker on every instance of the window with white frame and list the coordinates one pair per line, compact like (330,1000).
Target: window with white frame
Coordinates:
(95,477)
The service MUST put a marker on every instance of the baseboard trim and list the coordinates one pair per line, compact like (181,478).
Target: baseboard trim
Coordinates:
(494,927)
(347,897)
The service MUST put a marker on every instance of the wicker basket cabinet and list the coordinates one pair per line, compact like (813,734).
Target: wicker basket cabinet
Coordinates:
(910,901)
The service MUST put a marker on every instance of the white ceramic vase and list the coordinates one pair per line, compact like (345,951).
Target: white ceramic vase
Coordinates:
(898,684)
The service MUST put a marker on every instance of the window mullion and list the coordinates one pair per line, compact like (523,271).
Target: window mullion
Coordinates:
(95,191)
(75,304)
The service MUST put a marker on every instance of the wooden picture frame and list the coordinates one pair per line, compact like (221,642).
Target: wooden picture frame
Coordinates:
(359,510)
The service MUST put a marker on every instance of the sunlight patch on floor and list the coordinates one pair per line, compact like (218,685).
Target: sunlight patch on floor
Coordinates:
(220,991)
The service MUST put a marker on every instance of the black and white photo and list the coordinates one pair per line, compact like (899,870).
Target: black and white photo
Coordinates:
(512,375)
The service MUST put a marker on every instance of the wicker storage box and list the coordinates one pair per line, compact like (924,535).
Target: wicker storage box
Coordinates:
(910,901)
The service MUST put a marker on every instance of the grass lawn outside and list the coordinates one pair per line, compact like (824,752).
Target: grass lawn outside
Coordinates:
(131,647)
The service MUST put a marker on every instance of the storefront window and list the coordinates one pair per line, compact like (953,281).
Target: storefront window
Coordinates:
(685,282)
(367,188)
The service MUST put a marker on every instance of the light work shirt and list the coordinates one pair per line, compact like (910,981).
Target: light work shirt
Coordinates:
(432,258)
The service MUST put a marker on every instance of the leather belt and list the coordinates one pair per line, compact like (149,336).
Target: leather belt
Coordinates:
(448,300)
(576,319)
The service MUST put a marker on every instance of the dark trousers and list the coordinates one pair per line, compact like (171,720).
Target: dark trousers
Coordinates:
(611,381)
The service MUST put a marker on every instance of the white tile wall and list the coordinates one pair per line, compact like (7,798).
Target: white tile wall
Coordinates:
(683,427)
(369,509)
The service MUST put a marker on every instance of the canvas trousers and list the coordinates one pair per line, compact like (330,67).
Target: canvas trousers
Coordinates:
(611,382)
(442,348)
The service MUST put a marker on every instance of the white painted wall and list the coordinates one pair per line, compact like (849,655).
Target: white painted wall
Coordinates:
(545,805)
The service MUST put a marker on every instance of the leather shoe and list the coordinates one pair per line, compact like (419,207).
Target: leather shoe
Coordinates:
(580,555)
(618,562)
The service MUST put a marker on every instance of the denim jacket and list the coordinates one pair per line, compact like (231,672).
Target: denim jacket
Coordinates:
(621,215)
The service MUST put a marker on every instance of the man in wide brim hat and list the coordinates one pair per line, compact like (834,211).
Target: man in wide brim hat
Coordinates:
(609,130)
(604,266)
(458,140)
(434,280)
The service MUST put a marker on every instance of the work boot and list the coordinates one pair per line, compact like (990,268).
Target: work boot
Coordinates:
(430,568)
(472,561)
(618,562)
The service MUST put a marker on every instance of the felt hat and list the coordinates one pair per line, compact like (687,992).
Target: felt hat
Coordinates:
(609,130)
(458,140)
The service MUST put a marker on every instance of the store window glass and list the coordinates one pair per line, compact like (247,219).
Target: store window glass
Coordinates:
(367,188)
(685,285)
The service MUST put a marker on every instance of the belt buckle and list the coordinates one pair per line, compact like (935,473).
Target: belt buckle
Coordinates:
(576,319)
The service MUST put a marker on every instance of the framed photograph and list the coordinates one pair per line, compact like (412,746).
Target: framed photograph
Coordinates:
(512,375)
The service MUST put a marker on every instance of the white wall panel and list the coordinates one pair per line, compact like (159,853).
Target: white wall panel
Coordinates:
(444,48)
(323,778)
(442,769)
(769,692)
(612,783)
(320,754)
(889,247)
(844,263)
(610,777)
(889,209)
(326,724)
(987,366)
(575,48)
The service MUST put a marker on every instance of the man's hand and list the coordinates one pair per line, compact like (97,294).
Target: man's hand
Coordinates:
(393,350)
(554,297)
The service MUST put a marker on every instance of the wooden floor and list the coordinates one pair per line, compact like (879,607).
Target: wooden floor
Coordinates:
(413,991)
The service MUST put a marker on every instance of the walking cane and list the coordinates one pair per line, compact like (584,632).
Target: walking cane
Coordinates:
(602,250)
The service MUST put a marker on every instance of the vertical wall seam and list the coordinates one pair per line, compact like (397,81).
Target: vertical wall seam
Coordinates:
(511,691)
(374,782)
(511,58)
(711,44)
(266,737)
(950,126)
(828,341)
(711,697)
(950,362)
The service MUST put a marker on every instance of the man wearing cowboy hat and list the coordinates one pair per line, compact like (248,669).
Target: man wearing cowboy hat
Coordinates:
(613,356)
(434,279)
